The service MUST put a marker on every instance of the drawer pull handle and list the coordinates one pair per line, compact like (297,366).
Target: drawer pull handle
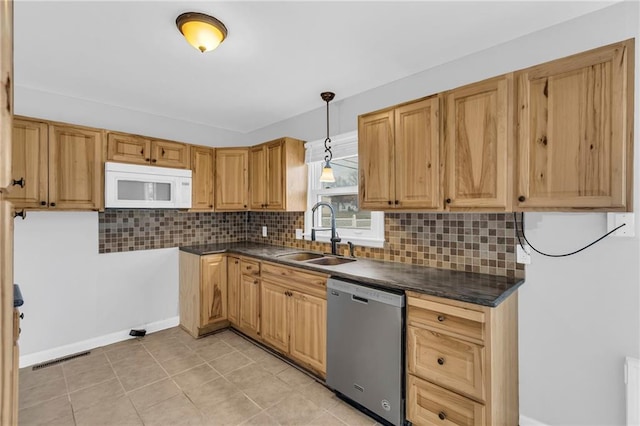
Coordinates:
(442,415)
(441,361)
(441,318)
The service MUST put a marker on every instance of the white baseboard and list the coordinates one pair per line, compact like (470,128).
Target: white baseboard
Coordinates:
(73,348)
(527,421)
(632,381)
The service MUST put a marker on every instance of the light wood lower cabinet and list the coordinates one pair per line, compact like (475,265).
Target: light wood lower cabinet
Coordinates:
(294,314)
(203,293)
(462,362)
(233,289)
(249,309)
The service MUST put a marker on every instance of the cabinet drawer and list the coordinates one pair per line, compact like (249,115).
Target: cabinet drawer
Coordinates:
(249,267)
(297,279)
(428,404)
(447,361)
(453,320)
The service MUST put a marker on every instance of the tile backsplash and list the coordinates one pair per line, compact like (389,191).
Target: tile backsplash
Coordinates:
(474,242)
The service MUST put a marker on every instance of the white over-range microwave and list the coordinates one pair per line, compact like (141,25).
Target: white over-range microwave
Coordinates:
(146,187)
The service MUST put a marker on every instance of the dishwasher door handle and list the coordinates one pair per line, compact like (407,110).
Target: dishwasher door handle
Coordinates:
(359,299)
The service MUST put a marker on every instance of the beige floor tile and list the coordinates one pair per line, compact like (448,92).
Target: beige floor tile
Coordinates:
(256,353)
(236,341)
(296,410)
(123,344)
(294,377)
(41,393)
(196,376)
(101,392)
(212,392)
(125,367)
(55,411)
(29,377)
(111,412)
(202,342)
(268,391)
(126,353)
(84,363)
(247,376)
(177,365)
(229,362)
(320,395)
(350,415)
(214,350)
(326,419)
(231,411)
(261,419)
(154,393)
(77,381)
(272,364)
(142,376)
(175,350)
(177,410)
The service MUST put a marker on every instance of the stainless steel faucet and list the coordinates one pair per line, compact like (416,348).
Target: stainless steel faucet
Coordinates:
(335,239)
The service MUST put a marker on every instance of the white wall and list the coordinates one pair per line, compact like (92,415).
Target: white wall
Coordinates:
(73,294)
(579,316)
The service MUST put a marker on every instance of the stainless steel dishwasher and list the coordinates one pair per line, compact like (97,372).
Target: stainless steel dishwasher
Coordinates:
(365,347)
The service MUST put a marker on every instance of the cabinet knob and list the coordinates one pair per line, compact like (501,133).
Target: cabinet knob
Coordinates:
(245,206)
(255,281)
(22,315)
(43,203)
(390,202)
(396,202)
(442,415)
(21,213)
(448,200)
(441,361)
(154,160)
(162,152)
(52,204)
(210,206)
(147,159)
(18,182)
(236,262)
(441,318)
(521,198)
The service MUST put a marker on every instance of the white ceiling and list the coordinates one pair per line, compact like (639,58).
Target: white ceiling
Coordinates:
(277,59)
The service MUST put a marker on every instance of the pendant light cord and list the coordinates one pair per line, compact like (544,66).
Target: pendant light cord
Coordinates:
(515,221)
(327,141)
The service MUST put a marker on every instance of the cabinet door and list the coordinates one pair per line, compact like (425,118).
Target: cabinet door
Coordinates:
(231,179)
(274,302)
(478,125)
(233,290)
(417,145)
(213,290)
(128,148)
(257,176)
(309,330)
(275,174)
(6,98)
(376,162)
(75,168)
(202,162)
(29,155)
(170,154)
(250,304)
(574,140)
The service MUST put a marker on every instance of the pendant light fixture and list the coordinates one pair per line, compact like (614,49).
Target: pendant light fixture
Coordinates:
(327,171)
(203,32)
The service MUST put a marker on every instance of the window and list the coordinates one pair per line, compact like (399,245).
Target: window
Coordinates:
(364,228)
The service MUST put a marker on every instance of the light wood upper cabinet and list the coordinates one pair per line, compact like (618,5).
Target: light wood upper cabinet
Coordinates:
(76,172)
(202,169)
(233,289)
(135,149)
(278,176)
(477,145)
(6,95)
(398,155)
(29,163)
(231,170)
(575,124)
(213,290)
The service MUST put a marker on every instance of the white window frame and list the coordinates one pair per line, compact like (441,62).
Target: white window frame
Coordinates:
(360,237)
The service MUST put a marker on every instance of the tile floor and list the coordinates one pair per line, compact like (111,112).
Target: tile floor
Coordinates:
(169,378)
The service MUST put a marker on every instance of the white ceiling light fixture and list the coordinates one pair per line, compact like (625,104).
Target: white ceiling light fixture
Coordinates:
(203,32)
(327,171)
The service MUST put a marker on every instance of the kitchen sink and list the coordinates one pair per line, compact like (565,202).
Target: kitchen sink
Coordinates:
(301,256)
(331,261)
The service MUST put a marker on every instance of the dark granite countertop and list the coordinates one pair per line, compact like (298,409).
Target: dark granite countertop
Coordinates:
(480,289)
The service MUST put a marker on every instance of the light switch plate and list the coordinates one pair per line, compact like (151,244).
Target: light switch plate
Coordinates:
(264,231)
(523,255)
(616,219)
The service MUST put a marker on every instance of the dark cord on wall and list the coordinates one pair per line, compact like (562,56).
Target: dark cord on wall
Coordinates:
(515,221)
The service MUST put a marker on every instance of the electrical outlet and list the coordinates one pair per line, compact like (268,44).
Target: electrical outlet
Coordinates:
(264,231)
(298,234)
(616,219)
(523,255)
